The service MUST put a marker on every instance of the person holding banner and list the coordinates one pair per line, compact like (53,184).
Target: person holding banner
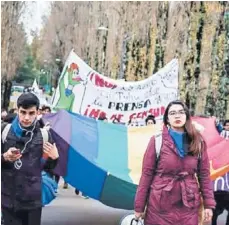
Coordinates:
(168,190)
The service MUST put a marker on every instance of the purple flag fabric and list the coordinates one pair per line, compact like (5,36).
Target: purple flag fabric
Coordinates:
(222,183)
(61,134)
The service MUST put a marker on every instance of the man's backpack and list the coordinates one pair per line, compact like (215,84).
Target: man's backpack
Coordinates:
(7,127)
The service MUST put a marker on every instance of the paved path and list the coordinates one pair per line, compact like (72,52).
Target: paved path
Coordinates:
(70,209)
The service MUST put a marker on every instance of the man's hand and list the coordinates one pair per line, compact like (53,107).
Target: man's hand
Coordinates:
(208,215)
(51,150)
(12,155)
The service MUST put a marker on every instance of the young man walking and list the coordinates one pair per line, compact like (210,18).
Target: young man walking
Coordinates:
(24,155)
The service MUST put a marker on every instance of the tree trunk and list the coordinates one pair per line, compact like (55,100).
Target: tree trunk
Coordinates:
(2,90)
(147,35)
(58,74)
(5,92)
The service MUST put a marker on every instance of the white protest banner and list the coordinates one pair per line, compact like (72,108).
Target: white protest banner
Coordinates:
(83,90)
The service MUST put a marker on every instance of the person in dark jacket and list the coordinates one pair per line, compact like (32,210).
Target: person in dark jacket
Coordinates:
(169,188)
(10,117)
(46,110)
(3,114)
(23,157)
(13,111)
(150,120)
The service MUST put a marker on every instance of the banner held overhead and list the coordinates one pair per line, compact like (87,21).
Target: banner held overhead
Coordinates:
(83,90)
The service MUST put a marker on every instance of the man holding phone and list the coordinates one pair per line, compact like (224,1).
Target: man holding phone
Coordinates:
(22,159)
(12,154)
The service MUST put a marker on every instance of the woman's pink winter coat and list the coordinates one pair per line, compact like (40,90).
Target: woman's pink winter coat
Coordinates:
(169,188)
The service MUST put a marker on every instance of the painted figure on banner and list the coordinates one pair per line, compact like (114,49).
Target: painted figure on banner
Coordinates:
(66,100)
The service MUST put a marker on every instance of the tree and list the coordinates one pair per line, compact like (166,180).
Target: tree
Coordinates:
(27,72)
(152,33)
(13,40)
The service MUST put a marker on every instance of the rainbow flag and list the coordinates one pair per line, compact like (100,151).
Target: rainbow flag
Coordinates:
(104,160)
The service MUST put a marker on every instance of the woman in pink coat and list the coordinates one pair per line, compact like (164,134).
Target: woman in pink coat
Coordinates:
(168,186)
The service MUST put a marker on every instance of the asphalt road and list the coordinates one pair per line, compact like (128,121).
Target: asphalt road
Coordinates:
(70,209)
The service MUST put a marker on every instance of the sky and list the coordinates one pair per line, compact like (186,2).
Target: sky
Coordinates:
(32,17)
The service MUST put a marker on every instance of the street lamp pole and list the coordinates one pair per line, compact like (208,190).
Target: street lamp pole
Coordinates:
(39,76)
(106,30)
(102,28)
(123,53)
(121,72)
(60,67)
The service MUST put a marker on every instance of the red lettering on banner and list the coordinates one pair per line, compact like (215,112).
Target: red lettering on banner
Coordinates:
(86,111)
(108,85)
(139,115)
(91,77)
(132,116)
(155,112)
(99,81)
(113,117)
(102,114)
(120,117)
(94,113)
(162,110)
(142,115)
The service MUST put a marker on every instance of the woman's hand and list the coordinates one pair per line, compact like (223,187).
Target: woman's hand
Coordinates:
(208,215)
(138,215)
(51,150)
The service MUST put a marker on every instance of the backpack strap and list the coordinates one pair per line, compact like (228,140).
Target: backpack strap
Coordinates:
(45,134)
(5,132)
(158,144)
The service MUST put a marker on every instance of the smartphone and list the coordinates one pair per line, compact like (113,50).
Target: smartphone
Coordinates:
(16,151)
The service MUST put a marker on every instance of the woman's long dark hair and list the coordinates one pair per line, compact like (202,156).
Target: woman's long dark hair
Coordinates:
(195,139)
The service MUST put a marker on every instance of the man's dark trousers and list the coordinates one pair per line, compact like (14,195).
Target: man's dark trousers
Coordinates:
(22,217)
